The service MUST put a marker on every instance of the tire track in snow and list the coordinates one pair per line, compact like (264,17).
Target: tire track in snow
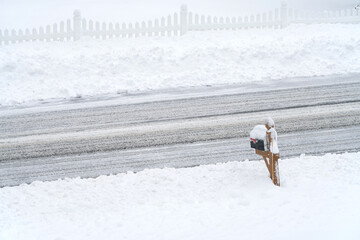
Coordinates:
(101,140)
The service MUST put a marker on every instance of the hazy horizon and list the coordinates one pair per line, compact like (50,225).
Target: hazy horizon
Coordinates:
(26,14)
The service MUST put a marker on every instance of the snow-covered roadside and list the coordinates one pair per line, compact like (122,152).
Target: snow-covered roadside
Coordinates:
(41,70)
(318,199)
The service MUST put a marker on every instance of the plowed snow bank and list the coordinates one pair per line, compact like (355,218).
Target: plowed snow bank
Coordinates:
(41,70)
(318,199)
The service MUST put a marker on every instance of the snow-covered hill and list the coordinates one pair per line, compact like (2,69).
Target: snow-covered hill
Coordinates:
(41,70)
(318,199)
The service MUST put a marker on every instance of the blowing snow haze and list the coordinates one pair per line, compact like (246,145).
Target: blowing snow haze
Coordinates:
(28,14)
(111,129)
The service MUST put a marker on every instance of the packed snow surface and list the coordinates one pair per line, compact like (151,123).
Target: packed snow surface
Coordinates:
(43,70)
(318,199)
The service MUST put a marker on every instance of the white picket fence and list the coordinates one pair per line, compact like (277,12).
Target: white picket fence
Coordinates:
(174,25)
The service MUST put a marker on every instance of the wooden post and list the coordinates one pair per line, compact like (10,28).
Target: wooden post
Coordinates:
(283,15)
(265,156)
(176,24)
(264,21)
(273,158)
(271,161)
(258,21)
(150,29)
(252,21)
(240,23)
(123,30)
(27,35)
(271,23)
(156,28)
(55,32)
(91,28)
(130,30)
(41,36)
(47,33)
(190,21)
(202,23)
(77,25)
(103,31)
(117,29)
(270,158)
(163,26)
(183,20)
(84,27)
(276,18)
(34,35)
(62,30)
(20,36)
(275,169)
(196,20)
(246,22)
(143,28)
(169,26)
(137,29)
(228,24)
(68,30)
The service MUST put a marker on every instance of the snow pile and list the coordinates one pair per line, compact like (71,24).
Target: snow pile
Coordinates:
(318,199)
(270,122)
(41,70)
(259,132)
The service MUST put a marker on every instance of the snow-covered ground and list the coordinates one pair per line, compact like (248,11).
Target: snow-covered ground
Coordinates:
(41,70)
(318,199)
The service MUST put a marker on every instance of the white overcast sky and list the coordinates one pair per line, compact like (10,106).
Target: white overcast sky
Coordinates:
(35,13)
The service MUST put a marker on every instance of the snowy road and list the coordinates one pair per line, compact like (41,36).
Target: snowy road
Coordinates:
(89,138)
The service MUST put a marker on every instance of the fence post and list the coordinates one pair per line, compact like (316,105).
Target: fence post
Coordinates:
(284,14)
(183,19)
(77,25)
